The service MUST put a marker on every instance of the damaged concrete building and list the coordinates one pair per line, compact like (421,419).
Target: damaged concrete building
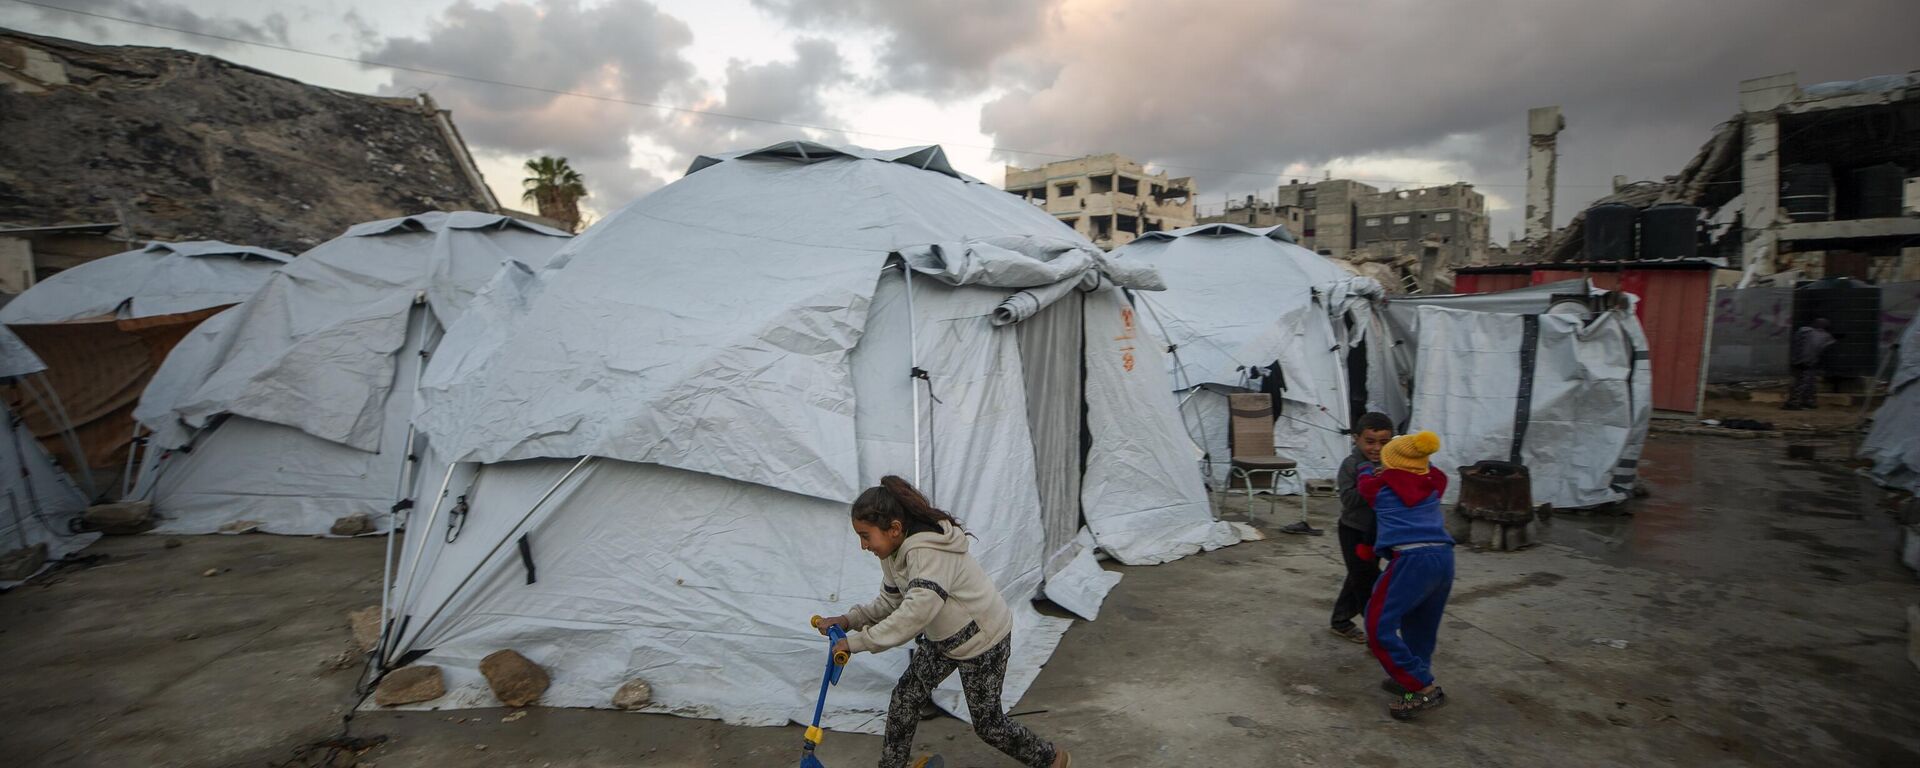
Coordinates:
(1328,209)
(1108,198)
(1422,234)
(1257,213)
(1804,183)
(162,144)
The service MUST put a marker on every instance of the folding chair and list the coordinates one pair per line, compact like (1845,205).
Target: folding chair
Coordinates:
(1250,424)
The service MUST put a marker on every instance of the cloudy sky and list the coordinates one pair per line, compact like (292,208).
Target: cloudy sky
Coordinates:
(1240,94)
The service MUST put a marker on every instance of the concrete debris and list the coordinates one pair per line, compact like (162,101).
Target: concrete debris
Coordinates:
(240,526)
(515,716)
(410,685)
(352,525)
(516,681)
(634,695)
(365,624)
(120,518)
(1619,645)
(210,572)
(18,564)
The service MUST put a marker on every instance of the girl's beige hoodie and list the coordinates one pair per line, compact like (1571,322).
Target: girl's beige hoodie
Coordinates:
(932,587)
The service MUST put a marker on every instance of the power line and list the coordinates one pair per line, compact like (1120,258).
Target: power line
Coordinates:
(365,62)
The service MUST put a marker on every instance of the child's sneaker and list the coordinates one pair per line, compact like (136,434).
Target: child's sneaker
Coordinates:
(1412,704)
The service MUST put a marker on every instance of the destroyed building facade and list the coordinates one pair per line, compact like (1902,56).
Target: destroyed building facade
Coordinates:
(1257,213)
(170,145)
(1108,198)
(1806,182)
(1327,213)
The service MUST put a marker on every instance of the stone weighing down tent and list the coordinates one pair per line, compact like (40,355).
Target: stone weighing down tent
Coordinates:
(1554,376)
(104,327)
(1893,445)
(40,500)
(1240,301)
(648,449)
(292,410)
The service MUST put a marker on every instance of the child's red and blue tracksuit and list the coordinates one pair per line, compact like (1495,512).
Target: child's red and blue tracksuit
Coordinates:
(1403,616)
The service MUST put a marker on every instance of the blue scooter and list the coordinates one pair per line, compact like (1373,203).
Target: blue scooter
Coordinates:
(835,663)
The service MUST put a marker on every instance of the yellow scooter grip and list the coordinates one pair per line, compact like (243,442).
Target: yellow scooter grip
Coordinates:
(840,658)
(816,622)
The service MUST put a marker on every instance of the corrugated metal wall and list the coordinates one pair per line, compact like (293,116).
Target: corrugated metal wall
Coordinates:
(1674,310)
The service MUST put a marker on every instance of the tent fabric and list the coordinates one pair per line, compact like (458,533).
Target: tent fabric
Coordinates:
(1240,299)
(39,498)
(1893,444)
(676,411)
(159,279)
(292,409)
(1587,399)
(103,327)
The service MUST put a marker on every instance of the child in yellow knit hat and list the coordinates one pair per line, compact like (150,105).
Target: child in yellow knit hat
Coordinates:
(1403,616)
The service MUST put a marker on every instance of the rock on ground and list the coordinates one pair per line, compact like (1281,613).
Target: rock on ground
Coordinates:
(23,562)
(410,685)
(365,624)
(634,695)
(516,681)
(352,525)
(121,517)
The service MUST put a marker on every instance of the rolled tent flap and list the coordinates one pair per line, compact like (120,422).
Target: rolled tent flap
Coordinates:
(1027,303)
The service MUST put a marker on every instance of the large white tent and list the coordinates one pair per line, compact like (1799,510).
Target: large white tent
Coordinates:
(1893,444)
(1553,376)
(104,326)
(646,450)
(1240,302)
(41,500)
(292,409)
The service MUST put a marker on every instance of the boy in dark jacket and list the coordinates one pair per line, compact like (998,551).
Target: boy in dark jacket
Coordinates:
(1403,616)
(1370,434)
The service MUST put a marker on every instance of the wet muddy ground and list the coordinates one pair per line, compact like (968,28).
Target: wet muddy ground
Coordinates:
(1749,612)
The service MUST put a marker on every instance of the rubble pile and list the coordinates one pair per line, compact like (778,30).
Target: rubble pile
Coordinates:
(181,146)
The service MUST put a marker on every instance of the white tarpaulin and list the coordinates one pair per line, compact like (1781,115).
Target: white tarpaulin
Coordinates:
(159,279)
(295,404)
(1239,301)
(649,446)
(1565,394)
(39,498)
(1893,445)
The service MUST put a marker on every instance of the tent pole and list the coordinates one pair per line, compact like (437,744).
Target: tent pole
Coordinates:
(496,547)
(58,414)
(913,361)
(408,463)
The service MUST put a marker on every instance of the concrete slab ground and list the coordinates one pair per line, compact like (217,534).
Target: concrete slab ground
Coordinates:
(1751,612)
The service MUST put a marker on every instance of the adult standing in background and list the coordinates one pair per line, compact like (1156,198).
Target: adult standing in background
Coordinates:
(1810,344)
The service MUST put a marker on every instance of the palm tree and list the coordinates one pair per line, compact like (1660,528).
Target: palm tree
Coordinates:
(555,188)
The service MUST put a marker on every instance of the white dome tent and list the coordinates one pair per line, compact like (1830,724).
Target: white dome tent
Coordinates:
(1238,300)
(652,444)
(104,326)
(1554,376)
(291,410)
(1893,444)
(40,500)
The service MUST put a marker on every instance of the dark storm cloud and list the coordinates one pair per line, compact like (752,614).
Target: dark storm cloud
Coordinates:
(1236,85)
(625,50)
(933,48)
(272,28)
